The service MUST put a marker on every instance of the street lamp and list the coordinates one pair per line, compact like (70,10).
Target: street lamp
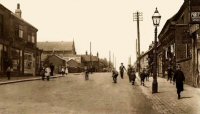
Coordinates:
(156,21)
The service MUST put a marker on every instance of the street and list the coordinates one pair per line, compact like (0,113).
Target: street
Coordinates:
(73,95)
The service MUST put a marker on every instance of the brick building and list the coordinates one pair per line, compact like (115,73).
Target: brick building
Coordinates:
(18,40)
(179,42)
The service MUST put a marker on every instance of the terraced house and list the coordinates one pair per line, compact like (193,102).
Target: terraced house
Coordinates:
(18,43)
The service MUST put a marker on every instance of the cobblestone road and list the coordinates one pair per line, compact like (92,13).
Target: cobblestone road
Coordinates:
(73,95)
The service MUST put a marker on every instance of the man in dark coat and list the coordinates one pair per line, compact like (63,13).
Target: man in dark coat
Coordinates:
(129,72)
(142,76)
(121,69)
(133,76)
(52,69)
(179,78)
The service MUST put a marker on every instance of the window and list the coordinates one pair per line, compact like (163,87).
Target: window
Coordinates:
(21,31)
(1,25)
(33,37)
(29,38)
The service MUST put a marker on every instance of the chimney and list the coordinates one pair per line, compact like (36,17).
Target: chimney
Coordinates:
(86,53)
(18,11)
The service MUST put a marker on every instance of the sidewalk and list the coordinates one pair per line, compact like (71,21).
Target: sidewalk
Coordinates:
(16,79)
(166,102)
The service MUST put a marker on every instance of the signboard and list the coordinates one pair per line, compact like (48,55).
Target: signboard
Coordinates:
(195,17)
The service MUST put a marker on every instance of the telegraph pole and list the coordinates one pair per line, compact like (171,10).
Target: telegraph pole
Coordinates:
(138,17)
(109,64)
(90,55)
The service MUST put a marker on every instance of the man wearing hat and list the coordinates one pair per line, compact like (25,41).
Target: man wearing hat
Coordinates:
(179,78)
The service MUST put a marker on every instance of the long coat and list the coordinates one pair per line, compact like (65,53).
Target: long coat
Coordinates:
(179,78)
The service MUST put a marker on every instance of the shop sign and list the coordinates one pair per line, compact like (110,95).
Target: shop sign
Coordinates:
(195,17)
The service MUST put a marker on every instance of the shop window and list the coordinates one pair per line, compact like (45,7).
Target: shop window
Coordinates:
(15,58)
(28,63)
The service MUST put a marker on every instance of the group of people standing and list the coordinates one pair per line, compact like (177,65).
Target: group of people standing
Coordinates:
(47,71)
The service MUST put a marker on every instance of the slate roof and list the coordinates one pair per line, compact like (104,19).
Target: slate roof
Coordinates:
(56,46)
(87,58)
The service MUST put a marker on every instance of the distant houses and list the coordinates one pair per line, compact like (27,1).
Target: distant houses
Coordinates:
(64,54)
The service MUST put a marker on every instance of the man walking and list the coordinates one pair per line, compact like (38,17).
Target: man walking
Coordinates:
(142,77)
(129,72)
(121,69)
(169,73)
(179,78)
(133,76)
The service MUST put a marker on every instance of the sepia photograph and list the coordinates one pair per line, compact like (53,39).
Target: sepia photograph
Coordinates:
(99,56)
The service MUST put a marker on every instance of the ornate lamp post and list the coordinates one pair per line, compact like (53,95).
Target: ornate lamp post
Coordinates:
(156,21)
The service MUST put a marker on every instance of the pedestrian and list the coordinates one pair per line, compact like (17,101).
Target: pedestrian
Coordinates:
(129,70)
(179,78)
(66,70)
(52,69)
(114,75)
(169,73)
(63,71)
(142,76)
(8,72)
(121,69)
(42,72)
(86,73)
(147,74)
(133,76)
(47,72)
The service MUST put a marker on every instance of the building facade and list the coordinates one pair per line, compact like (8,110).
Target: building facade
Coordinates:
(18,41)
(179,42)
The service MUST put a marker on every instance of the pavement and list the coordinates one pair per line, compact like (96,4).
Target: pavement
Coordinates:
(166,101)
(17,79)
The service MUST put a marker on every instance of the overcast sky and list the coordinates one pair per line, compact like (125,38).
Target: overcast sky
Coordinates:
(108,24)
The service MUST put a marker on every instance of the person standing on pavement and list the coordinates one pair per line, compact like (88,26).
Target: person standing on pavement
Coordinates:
(129,70)
(169,73)
(63,71)
(114,75)
(66,71)
(142,76)
(121,69)
(179,78)
(42,72)
(8,72)
(47,72)
(52,69)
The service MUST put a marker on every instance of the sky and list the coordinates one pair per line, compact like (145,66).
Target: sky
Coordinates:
(107,24)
